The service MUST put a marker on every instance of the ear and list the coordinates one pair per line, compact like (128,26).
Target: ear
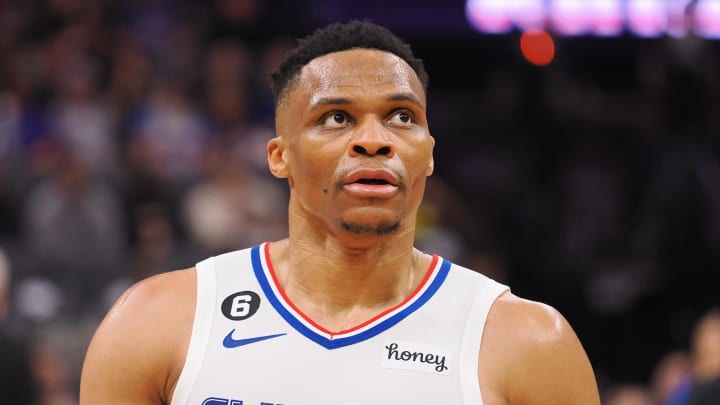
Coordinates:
(431,164)
(277,159)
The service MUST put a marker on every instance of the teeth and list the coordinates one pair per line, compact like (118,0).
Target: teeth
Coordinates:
(372,181)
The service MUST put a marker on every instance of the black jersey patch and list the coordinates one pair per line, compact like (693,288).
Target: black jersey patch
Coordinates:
(240,305)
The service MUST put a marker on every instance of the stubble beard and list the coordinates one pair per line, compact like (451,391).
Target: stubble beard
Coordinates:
(383,228)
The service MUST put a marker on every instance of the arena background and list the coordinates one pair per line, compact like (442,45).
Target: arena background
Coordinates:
(132,134)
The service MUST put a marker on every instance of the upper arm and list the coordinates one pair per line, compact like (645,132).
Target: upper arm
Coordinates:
(535,357)
(138,349)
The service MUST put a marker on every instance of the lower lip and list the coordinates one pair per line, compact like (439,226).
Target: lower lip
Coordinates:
(371,190)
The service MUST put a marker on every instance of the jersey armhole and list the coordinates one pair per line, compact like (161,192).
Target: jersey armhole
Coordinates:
(472,339)
(200,335)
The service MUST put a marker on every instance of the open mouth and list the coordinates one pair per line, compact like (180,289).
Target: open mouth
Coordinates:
(371,185)
(373,181)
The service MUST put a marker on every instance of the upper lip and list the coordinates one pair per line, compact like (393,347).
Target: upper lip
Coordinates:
(371,174)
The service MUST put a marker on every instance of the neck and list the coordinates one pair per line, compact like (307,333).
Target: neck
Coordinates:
(341,282)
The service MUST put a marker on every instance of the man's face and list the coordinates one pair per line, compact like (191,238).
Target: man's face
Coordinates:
(353,142)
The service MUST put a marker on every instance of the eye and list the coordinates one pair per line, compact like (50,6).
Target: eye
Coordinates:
(335,119)
(401,117)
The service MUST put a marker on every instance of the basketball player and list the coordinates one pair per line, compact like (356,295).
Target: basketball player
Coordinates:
(345,311)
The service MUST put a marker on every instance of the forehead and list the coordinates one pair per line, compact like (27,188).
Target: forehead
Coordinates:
(357,72)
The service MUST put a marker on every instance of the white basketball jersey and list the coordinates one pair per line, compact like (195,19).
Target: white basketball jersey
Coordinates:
(251,346)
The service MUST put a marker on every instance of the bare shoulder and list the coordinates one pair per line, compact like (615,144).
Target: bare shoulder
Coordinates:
(139,348)
(530,354)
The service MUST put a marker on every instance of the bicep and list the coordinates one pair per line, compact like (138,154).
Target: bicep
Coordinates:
(130,356)
(115,372)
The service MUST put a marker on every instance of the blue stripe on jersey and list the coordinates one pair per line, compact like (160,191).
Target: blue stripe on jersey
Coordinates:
(349,340)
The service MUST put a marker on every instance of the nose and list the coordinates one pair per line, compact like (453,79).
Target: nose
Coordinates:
(372,139)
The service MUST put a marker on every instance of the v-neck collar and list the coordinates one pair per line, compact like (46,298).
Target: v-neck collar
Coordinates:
(266,276)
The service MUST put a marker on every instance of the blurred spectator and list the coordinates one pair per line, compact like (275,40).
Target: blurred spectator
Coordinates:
(157,245)
(226,80)
(234,206)
(270,55)
(229,101)
(628,394)
(671,379)
(17,383)
(693,379)
(54,376)
(82,118)
(256,20)
(151,24)
(705,355)
(74,228)
(167,137)
(130,75)
(705,346)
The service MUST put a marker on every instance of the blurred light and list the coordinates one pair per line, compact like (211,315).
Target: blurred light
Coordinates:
(488,16)
(707,19)
(569,17)
(538,47)
(528,14)
(677,23)
(607,18)
(647,18)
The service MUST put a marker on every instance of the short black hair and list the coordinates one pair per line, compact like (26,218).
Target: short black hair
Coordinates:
(338,37)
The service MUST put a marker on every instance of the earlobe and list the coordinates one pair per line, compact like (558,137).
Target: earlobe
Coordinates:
(277,161)
(430,167)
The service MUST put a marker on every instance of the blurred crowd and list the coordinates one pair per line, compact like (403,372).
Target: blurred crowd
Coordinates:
(132,141)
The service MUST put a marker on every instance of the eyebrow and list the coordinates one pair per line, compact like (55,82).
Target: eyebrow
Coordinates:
(324,101)
(405,97)
(321,102)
